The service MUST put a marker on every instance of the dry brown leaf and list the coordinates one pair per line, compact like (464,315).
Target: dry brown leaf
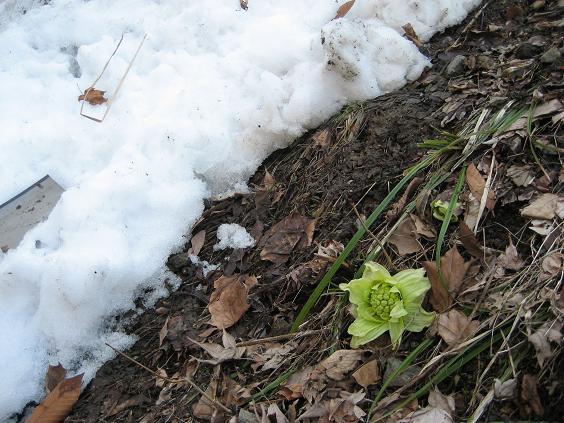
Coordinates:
(542,207)
(542,338)
(197,242)
(470,242)
(445,289)
(340,363)
(477,184)
(228,301)
(505,390)
(54,375)
(58,403)
(404,238)
(438,400)
(510,259)
(367,374)
(93,96)
(275,412)
(428,415)
(530,393)
(440,298)
(455,327)
(411,35)
(551,265)
(163,332)
(294,231)
(454,270)
(229,350)
(344,9)
(322,138)
(424,229)
(521,175)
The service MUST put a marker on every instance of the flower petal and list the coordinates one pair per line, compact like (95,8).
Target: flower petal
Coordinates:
(361,327)
(374,333)
(398,311)
(416,322)
(359,290)
(413,286)
(375,272)
(396,330)
(365,311)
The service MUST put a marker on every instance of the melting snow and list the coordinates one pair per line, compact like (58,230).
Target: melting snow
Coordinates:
(214,90)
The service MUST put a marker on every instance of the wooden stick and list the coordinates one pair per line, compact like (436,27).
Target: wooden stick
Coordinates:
(186,379)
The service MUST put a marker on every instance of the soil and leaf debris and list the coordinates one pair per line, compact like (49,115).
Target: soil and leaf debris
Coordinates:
(459,173)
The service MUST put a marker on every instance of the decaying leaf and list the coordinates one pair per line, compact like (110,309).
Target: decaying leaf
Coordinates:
(438,400)
(367,374)
(228,301)
(294,231)
(541,339)
(530,394)
(93,96)
(428,415)
(470,242)
(477,184)
(343,409)
(445,289)
(54,375)
(505,390)
(311,381)
(404,238)
(405,377)
(58,403)
(344,9)
(521,175)
(455,327)
(340,363)
(327,252)
(551,265)
(322,138)
(229,350)
(542,207)
(411,35)
(454,270)
(423,229)
(197,242)
(510,259)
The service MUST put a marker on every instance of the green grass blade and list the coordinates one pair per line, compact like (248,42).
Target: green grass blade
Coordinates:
(448,215)
(401,368)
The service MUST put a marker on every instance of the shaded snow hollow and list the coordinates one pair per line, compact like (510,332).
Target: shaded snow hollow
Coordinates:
(214,90)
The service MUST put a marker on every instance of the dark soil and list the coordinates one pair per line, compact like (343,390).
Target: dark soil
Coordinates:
(333,183)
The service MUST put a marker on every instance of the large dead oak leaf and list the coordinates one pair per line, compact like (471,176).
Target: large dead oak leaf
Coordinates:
(228,301)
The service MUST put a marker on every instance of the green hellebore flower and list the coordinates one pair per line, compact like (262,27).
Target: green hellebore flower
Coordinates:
(440,208)
(387,303)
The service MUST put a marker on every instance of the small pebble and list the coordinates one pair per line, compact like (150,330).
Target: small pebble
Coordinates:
(457,66)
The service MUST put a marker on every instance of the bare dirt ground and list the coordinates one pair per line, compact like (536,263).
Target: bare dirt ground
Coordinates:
(309,199)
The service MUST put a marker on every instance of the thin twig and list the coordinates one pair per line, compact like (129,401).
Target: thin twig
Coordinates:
(185,379)
(280,337)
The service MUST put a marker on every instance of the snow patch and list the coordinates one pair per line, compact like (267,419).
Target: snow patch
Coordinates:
(231,235)
(214,90)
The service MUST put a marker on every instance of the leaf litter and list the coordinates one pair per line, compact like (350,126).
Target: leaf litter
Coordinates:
(494,277)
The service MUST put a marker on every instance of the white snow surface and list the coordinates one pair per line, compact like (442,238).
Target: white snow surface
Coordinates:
(231,235)
(214,90)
